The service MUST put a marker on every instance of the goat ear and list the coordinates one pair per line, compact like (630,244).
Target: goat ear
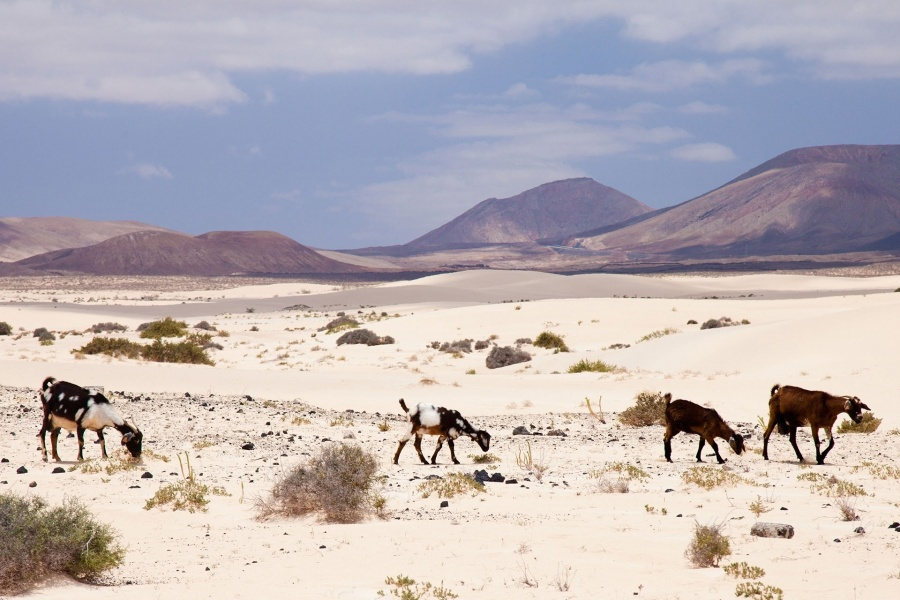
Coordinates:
(848,404)
(861,405)
(127,437)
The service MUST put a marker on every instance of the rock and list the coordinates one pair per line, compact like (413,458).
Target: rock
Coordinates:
(248,446)
(859,530)
(481,476)
(780,530)
(32,484)
(894,525)
(147,475)
(444,504)
(521,430)
(21,470)
(58,470)
(557,432)
(4,460)
(511,481)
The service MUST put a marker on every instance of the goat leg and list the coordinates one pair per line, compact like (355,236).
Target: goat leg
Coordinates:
(700,449)
(793,437)
(452,453)
(418,446)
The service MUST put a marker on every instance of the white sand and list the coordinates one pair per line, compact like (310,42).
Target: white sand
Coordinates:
(836,334)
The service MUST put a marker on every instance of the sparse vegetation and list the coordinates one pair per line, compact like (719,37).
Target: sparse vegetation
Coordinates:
(364,336)
(187,493)
(710,477)
(451,485)
(406,588)
(526,460)
(708,546)
(336,483)
(757,590)
(868,424)
(37,540)
(484,459)
(649,409)
(758,507)
(505,356)
(658,334)
(167,327)
(551,341)
(115,347)
(592,366)
(743,571)
(723,322)
(181,352)
(106,327)
(342,323)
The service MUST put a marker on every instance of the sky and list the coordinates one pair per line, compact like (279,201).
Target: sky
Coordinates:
(352,123)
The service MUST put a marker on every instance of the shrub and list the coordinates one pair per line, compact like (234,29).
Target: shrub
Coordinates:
(364,336)
(336,483)
(451,485)
(39,332)
(551,341)
(36,541)
(46,338)
(743,571)
(456,347)
(708,546)
(205,326)
(709,477)
(115,347)
(592,366)
(186,494)
(868,424)
(723,322)
(5,328)
(167,327)
(342,323)
(649,409)
(108,326)
(658,334)
(757,590)
(182,352)
(505,356)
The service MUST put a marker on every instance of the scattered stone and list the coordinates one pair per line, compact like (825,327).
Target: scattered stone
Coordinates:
(837,540)
(894,525)
(21,470)
(134,487)
(248,446)
(557,433)
(32,484)
(521,430)
(445,504)
(58,470)
(511,481)
(859,530)
(669,490)
(4,460)
(780,530)
(147,475)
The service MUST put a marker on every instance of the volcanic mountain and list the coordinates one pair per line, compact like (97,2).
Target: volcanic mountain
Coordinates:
(809,201)
(552,210)
(21,237)
(211,254)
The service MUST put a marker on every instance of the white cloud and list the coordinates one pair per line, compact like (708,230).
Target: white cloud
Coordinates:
(148,171)
(703,152)
(670,75)
(702,108)
(175,53)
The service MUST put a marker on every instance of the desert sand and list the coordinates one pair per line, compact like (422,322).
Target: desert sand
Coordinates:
(284,385)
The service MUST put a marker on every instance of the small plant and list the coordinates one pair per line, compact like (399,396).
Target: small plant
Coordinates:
(167,327)
(551,341)
(832,486)
(300,421)
(649,409)
(341,421)
(868,424)
(658,334)
(525,460)
(564,576)
(406,588)
(593,366)
(37,540)
(847,508)
(710,477)
(187,494)
(597,415)
(758,507)
(451,485)
(624,470)
(757,590)
(743,571)
(484,459)
(470,372)
(384,426)
(708,546)
(342,323)
(337,483)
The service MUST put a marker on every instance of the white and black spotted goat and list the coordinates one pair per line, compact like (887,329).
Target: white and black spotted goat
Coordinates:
(74,408)
(443,422)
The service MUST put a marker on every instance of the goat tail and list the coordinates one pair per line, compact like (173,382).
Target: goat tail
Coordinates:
(47,383)
(775,389)
(403,406)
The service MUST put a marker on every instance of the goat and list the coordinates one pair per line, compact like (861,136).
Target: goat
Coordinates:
(74,408)
(791,407)
(684,415)
(443,422)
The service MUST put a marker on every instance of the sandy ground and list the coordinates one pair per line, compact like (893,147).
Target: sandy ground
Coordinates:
(284,385)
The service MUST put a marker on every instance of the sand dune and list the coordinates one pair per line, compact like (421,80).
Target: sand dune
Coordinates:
(530,539)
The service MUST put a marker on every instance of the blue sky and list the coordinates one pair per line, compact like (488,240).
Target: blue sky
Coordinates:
(350,123)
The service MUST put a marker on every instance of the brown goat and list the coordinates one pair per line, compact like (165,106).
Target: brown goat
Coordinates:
(684,415)
(791,407)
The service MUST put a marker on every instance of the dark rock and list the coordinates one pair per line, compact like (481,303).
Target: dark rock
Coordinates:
(248,446)
(32,484)
(445,504)
(481,476)
(4,460)
(21,470)
(894,525)
(147,475)
(557,433)
(837,540)
(669,490)
(521,430)
(509,481)
(58,470)
(134,487)
(859,530)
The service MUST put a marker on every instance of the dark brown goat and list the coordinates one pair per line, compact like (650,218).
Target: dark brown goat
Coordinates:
(445,423)
(791,407)
(684,415)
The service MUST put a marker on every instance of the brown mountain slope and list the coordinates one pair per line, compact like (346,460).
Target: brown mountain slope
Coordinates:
(553,210)
(210,254)
(828,199)
(21,237)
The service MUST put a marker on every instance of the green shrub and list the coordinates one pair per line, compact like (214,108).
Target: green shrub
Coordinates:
(708,546)
(37,541)
(181,352)
(551,341)
(342,323)
(756,590)
(868,424)
(167,327)
(592,366)
(5,328)
(743,571)
(116,347)
(649,409)
(336,483)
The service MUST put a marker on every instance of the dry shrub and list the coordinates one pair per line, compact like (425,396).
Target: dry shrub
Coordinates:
(505,356)
(364,336)
(649,409)
(37,541)
(868,424)
(708,546)
(336,484)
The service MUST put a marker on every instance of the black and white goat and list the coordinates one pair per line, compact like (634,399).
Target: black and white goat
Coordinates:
(74,408)
(443,422)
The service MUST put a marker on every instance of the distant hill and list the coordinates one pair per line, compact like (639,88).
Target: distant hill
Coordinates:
(211,254)
(810,201)
(553,210)
(21,237)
